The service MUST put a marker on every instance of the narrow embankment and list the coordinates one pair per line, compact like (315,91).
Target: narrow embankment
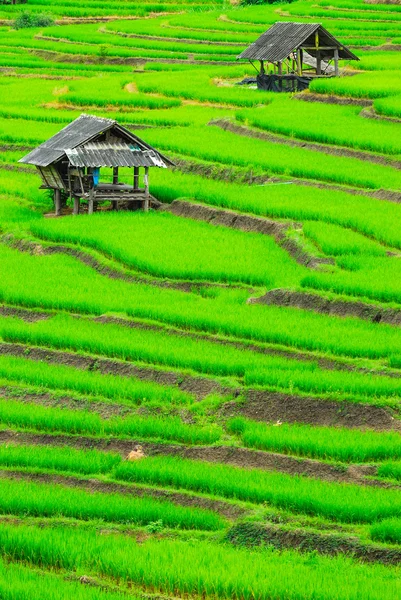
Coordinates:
(226,509)
(294,143)
(199,386)
(307,540)
(337,307)
(243,222)
(229,455)
(266,406)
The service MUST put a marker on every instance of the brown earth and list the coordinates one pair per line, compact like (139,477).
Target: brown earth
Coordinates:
(332,99)
(256,534)
(340,308)
(275,407)
(30,316)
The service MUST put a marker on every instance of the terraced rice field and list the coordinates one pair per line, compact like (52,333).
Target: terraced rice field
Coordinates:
(242,342)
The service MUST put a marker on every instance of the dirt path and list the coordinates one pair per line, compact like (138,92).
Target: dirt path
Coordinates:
(244,222)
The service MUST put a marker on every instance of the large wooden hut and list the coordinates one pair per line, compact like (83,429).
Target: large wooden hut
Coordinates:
(291,54)
(69,164)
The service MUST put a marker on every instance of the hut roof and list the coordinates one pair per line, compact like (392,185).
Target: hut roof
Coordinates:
(79,142)
(282,38)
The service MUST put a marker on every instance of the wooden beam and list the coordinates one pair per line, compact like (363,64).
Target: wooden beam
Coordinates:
(280,68)
(262,67)
(146,178)
(320,47)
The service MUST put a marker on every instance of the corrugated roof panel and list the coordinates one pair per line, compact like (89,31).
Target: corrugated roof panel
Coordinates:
(81,132)
(101,155)
(282,38)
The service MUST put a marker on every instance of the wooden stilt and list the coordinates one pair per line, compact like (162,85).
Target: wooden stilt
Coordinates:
(115,175)
(299,62)
(262,67)
(336,69)
(280,68)
(147,198)
(57,202)
(77,203)
(136,178)
(318,63)
(90,201)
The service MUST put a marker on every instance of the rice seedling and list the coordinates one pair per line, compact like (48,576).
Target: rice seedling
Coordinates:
(127,390)
(363,85)
(222,147)
(173,566)
(187,249)
(86,462)
(373,277)
(50,500)
(18,582)
(390,470)
(325,123)
(327,443)
(338,241)
(340,501)
(29,416)
(388,530)
(174,350)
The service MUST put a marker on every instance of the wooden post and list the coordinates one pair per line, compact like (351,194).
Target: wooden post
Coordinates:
(318,63)
(280,68)
(90,201)
(299,62)
(146,180)
(262,67)
(115,175)
(76,205)
(336,69)
(57,202)
(136,178)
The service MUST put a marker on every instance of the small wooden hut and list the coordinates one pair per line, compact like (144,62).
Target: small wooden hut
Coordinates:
(69,164)
(291,54)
